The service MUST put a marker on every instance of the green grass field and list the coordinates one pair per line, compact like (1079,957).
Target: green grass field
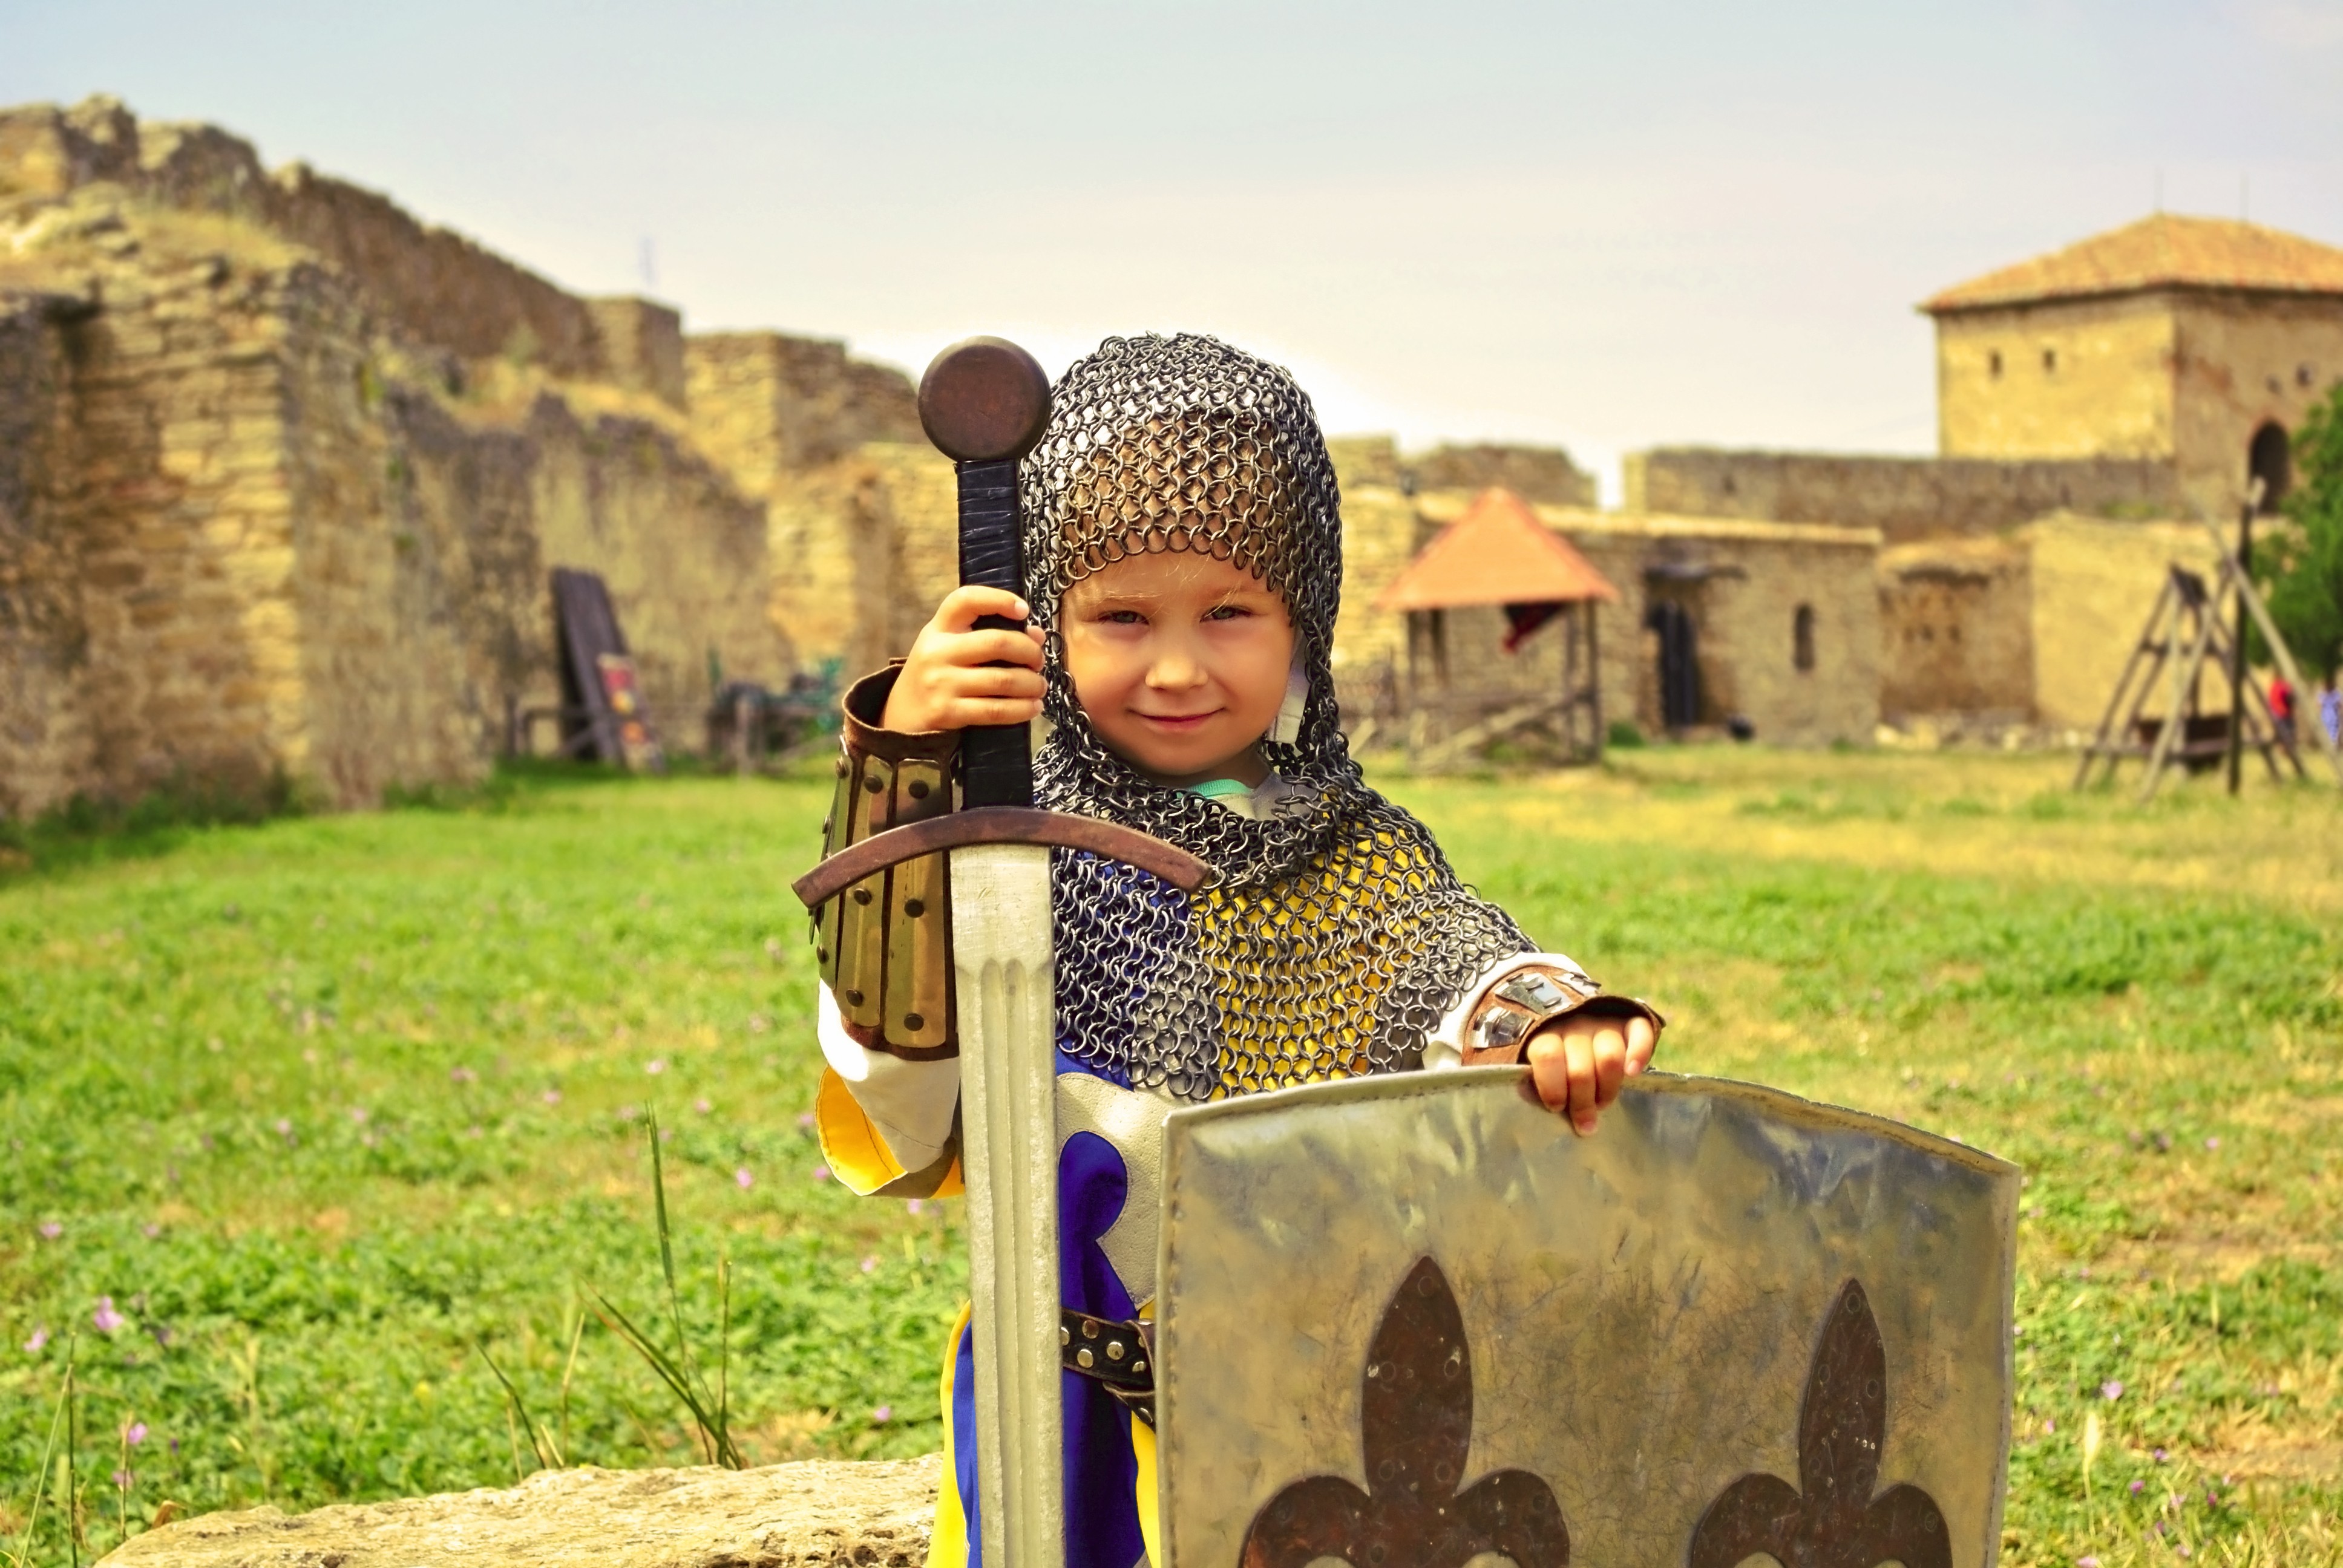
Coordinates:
(303,1117)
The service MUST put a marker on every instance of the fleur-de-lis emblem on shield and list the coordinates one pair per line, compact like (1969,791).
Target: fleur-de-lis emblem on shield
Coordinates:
(1834,1523)
(1416,1424)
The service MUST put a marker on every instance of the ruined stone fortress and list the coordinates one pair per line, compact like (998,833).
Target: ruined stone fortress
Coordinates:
(283,472)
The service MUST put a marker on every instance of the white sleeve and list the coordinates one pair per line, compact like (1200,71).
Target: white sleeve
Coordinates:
(1445,1048)
(910,1103)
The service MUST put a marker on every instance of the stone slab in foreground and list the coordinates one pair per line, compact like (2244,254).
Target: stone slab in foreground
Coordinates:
(874,1514)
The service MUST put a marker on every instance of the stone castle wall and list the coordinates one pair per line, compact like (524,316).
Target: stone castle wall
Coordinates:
(1956,620)
(1905,498)
(2033,628)
(45,737)
(249,528)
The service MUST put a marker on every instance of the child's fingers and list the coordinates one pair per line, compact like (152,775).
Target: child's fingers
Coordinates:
(992,645)
(970,713)
(964,604)
(991,680)
(1643,1039)
(1561,1066)
(1585,1104)
(1609,1047)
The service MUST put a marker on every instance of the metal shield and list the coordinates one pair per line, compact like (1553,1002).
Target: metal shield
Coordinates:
(1407,1320)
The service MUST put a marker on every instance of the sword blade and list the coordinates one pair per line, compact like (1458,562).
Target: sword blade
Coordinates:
(1003,963)
(984,402)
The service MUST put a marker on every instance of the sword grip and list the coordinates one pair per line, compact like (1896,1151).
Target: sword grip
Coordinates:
(996,760)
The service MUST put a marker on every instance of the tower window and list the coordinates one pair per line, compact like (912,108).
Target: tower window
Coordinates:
(1993,364)
(2049,361)
(2302,375)
(1802,637)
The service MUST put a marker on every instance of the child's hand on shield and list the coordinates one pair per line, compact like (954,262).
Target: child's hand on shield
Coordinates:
(959,676)
(1577,1063)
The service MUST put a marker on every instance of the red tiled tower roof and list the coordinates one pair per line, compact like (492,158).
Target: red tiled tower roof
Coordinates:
(2166,251)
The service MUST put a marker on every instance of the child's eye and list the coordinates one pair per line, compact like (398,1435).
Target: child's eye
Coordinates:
(1123,618)
(1226,612)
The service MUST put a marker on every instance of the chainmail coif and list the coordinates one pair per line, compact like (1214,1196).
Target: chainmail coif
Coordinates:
(1334,934)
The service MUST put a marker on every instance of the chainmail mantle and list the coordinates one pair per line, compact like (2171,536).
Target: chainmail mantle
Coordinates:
(1334,934)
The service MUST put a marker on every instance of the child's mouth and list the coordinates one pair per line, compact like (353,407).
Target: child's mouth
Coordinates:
(1177,723)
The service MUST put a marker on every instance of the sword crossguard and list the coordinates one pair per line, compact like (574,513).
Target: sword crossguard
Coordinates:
(1000,825)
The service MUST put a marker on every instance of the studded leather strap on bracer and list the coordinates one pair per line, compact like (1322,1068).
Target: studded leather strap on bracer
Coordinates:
(1533,997)
(884,944)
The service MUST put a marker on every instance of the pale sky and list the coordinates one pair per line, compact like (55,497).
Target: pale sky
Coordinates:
(1608,227)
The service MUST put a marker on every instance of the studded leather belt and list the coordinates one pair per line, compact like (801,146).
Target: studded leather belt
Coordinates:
(1118,1356)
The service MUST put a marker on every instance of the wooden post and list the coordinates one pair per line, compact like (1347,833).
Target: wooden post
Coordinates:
(2237,649)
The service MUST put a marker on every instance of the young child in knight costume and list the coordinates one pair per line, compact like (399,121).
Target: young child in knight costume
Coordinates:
(1183,565)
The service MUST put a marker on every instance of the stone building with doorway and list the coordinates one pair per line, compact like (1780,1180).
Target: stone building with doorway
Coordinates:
(1720,624)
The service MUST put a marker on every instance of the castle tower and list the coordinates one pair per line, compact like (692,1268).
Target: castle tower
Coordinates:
(2202,342)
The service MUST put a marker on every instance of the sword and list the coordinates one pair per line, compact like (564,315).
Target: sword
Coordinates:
(984,403)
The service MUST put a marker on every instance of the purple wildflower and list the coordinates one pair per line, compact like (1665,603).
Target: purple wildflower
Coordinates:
(121,1478)
(40,1337)
(2049,1426)
(805,1118)
(2212,1143)
(134,1433)
(883,1414)
(462,1075)
(150,1230)
(870,1265)
(2182,1549)
(106,1319)
(2086,1563)
(2111,1388)
(2159,1456)
(702,1107)
(358,1114)
(657,1065)
(551,1097)
(916,1206)
(742,1179)
(821,1172)
(51,1229)
(2136,1486)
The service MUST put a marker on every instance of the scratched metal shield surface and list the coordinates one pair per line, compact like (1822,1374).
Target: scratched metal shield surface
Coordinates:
(1641,1308)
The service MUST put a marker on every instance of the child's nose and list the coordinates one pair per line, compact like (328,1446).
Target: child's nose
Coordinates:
(1175,668)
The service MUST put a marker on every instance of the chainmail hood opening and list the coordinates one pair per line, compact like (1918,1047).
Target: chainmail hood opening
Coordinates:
(1334,934)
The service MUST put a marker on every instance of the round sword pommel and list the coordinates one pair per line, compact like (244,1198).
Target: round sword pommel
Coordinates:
(984,400)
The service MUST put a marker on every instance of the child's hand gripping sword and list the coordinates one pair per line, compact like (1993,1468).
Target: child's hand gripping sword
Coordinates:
(984,403)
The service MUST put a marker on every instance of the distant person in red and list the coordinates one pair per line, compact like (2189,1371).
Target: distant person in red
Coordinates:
(2281,706)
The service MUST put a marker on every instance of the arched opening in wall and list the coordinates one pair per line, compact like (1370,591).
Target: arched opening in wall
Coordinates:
(2266,460)
(1993,364)
(1802,637)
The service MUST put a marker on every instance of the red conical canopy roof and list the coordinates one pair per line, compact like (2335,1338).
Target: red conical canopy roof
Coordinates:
(1497,553)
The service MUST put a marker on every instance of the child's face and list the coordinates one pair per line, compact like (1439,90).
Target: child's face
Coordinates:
(1181,662)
